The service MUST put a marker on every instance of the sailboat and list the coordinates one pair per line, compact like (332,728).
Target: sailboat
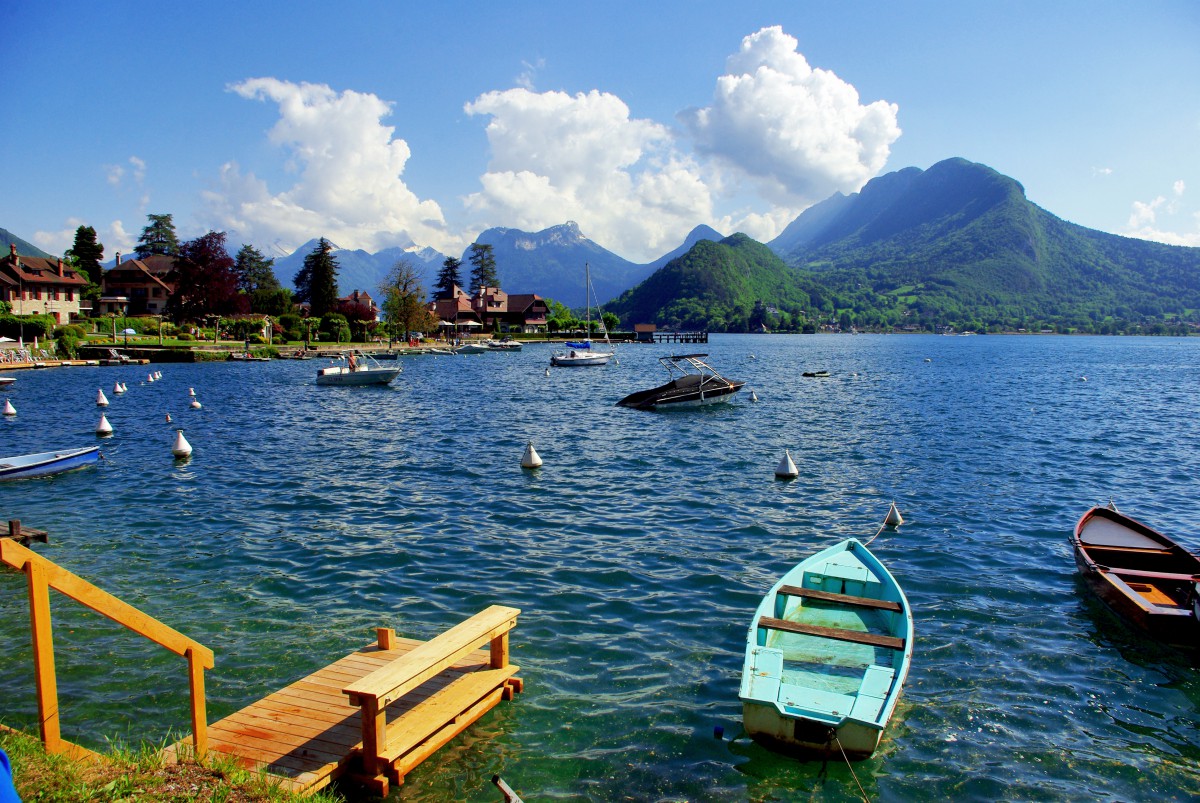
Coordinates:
(582,352)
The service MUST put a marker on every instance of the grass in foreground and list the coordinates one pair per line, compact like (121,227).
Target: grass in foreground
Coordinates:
(135,776)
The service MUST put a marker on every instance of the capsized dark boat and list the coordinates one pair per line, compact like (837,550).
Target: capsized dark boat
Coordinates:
(1151,581)
(693,383)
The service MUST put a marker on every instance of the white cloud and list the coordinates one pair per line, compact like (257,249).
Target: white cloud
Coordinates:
(58,242)
(799,133)
(1102,171)
(118,240)
(348,166)
(1144,221)
(557,157)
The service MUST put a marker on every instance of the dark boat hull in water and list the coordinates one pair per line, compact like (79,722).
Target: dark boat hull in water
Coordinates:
(1141,574)
(693,383)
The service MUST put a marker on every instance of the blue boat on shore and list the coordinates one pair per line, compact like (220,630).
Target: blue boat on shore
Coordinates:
(44,464)
(827,655)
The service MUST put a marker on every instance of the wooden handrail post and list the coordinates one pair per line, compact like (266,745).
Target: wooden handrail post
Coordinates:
(43,657)
(499,651)
(374,733)
(199,714)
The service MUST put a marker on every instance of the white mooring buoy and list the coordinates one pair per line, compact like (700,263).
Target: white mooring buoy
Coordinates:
(547,372)
(8,408)
(168,418)
(893,519)
(101,399)
(124,387)
(786,470)
(195,405)
(530,459)
(149,377)
(753,396)
(103,427)
(117,389)
(181,448)
(191,391)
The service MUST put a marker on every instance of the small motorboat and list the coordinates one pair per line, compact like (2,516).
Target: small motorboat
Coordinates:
(44,464)
(1141,574)
(827,655)
(356,368)
(816,374)
(246,356)
(693,383)
(5,381)
(470,348)
(507,344)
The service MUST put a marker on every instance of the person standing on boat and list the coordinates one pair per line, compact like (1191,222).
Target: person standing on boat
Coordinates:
(353,362)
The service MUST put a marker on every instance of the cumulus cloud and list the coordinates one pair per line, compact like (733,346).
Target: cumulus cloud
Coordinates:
(558,157)
(349,169)
(1102,171)
(1145,223)
(799,133)
(59,241)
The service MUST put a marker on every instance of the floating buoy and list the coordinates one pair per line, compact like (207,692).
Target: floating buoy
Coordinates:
(787,467)
(124,387)
(117,389)
(195,405)
(8,408)
(752,357)
(1083,379)
(158,374)
(101,399)
(928,360)
(103,427)
(753,396)
(531,459)
(181,448)
(191,391)
(168,418)
(893,519)
(547,372)
(150,377)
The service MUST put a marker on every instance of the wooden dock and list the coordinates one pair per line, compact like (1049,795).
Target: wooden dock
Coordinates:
(681,337)
(311,732)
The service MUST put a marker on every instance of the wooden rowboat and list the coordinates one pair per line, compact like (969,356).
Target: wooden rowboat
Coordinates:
(44,464)
(827,655)
(1143,575)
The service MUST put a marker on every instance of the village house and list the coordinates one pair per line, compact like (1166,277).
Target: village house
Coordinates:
(361,297)
(41,286)
(137,286)
(491,310)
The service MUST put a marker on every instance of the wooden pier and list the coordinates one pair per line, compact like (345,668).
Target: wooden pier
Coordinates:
(374,714)
(681,337)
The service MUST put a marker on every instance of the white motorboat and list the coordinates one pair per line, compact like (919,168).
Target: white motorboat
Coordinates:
(356,368)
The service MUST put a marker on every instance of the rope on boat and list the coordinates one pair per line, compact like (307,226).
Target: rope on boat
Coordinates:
(850,767)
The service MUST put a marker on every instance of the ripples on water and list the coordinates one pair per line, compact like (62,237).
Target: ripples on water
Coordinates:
(307,516)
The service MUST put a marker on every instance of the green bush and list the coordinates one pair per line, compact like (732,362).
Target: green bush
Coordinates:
(185,336)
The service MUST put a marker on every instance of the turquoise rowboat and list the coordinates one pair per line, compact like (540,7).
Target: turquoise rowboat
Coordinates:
(827,655)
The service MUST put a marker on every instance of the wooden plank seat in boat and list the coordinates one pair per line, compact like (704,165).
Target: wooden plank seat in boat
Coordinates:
(389,749)
(1149,575)
(855,636)
(843,599)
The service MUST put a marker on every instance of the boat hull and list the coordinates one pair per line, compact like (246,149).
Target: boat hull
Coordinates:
(676,396)
(1140,574)
(577,360)
(46,464)
(827,656)
(345,377)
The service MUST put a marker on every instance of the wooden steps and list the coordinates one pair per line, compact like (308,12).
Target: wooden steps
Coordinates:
(312,731)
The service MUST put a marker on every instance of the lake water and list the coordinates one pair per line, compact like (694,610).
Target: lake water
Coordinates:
(309,515)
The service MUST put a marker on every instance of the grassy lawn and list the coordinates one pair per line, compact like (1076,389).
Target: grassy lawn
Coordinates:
(134,776)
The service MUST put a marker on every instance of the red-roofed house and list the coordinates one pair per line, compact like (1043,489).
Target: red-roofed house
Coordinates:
(40,286)
(138,286)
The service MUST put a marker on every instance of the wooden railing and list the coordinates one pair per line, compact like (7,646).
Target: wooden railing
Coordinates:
(42,575)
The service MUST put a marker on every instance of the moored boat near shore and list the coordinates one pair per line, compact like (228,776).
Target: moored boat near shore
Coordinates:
(1141,574)
(45,464)
(827,655)
(356,368)
(692,383)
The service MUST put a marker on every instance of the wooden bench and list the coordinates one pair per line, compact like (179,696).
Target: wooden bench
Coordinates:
(842,599)
(856,636)
(389,750)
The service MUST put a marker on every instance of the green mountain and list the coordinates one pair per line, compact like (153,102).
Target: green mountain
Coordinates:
(24,248)
(956,245)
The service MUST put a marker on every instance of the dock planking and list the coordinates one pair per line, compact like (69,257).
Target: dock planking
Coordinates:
(308,733)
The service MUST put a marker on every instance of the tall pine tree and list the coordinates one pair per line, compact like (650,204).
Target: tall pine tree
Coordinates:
(88,254)
(448,278)
(316,281)
(483,267)
(254,271)
(158,237)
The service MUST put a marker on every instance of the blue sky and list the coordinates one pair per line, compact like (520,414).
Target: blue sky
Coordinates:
(380,124)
